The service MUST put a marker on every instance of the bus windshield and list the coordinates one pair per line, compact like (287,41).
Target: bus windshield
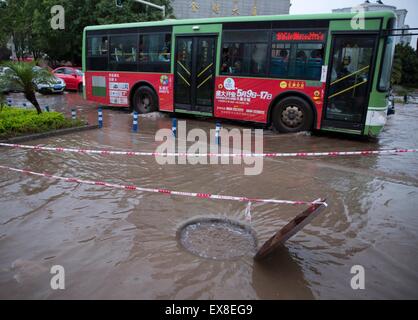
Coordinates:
(384,83)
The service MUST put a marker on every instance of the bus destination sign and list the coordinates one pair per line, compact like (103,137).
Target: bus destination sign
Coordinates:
(300,36)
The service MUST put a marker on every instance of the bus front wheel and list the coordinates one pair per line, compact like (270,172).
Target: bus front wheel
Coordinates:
(292,114)
(145,100)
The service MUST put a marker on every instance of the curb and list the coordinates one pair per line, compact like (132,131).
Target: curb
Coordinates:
(49,134)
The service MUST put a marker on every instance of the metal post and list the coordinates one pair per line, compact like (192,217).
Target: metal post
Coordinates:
(73,114)
(47,108)
(135,122)
(9,102)
(162,8)
(174,127)
(100,113)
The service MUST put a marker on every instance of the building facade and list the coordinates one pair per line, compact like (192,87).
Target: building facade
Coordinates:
(187,9)
(380,6)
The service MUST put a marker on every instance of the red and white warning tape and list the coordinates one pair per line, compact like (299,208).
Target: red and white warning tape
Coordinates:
(231,155)
(164,191)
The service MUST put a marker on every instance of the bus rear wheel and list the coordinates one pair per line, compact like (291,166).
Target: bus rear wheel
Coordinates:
(145,100)
(292,114)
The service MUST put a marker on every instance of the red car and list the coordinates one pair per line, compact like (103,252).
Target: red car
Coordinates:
(73,77)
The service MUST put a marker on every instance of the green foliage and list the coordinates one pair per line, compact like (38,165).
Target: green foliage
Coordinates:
(15,122)
(23,76)
(2,100)
(28,21)
(396,70)
(408,59)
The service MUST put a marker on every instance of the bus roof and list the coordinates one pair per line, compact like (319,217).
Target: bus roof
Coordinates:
(174,22)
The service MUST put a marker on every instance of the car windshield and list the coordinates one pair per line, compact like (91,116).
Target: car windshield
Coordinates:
(79,72)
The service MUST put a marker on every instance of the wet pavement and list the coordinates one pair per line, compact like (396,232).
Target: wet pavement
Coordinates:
(123,244)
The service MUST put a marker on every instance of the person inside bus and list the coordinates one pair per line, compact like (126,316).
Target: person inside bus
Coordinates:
(346,67)
(279,64)
(119,53)
(164,55)
(300,64)
(131,56)
(258,58)
(103,47)
(237,68)
(314,65)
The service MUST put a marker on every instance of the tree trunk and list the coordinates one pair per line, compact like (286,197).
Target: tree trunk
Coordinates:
(31,97)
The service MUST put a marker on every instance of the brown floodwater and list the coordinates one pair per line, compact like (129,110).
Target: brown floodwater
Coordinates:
(124,244)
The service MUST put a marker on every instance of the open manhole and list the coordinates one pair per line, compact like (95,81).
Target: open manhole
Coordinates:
(224,239)
(217,238)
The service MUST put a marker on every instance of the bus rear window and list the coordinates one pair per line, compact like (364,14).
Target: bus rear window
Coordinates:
(385,75)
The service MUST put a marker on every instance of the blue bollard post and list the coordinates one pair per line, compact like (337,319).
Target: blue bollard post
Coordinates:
(9,102)
(73,114)
(218,133)
(174,127)
(24,104)
(100,112)
(47,108)
(135,122)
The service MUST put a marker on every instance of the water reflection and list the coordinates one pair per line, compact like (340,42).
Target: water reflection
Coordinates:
(121,244)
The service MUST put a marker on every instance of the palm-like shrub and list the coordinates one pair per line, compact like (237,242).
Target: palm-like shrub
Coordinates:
(22,76)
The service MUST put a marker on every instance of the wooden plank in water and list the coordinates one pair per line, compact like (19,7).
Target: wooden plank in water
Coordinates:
(289,230)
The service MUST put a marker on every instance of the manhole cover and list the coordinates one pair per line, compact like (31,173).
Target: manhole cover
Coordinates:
(219,239)
(223,239)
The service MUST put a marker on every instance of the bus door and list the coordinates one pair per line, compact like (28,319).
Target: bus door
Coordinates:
(349,81)
(194,73)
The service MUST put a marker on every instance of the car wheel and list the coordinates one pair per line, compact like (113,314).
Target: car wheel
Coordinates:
(80,87)
(292,114)
(145,100)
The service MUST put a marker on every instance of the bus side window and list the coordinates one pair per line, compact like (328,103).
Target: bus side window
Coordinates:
(280,54)
(154,52)
(258,58)
(123,53)
(97,50)
(314,65)
(244,52)
(309,61)
(232,58)
(97,46)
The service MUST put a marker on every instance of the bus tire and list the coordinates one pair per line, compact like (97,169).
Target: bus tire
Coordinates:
(145,100)
(292,114)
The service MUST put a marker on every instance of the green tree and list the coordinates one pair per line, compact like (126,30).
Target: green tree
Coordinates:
(28,23)
(2,99)
(23,76)
(409,61)
(396,70)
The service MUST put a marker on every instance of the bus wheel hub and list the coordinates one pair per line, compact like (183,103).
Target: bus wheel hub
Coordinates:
(292,116)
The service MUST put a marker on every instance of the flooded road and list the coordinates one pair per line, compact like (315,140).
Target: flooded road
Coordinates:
(123,244)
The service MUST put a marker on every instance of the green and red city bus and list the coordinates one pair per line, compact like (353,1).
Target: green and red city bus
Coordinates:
(295,72)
